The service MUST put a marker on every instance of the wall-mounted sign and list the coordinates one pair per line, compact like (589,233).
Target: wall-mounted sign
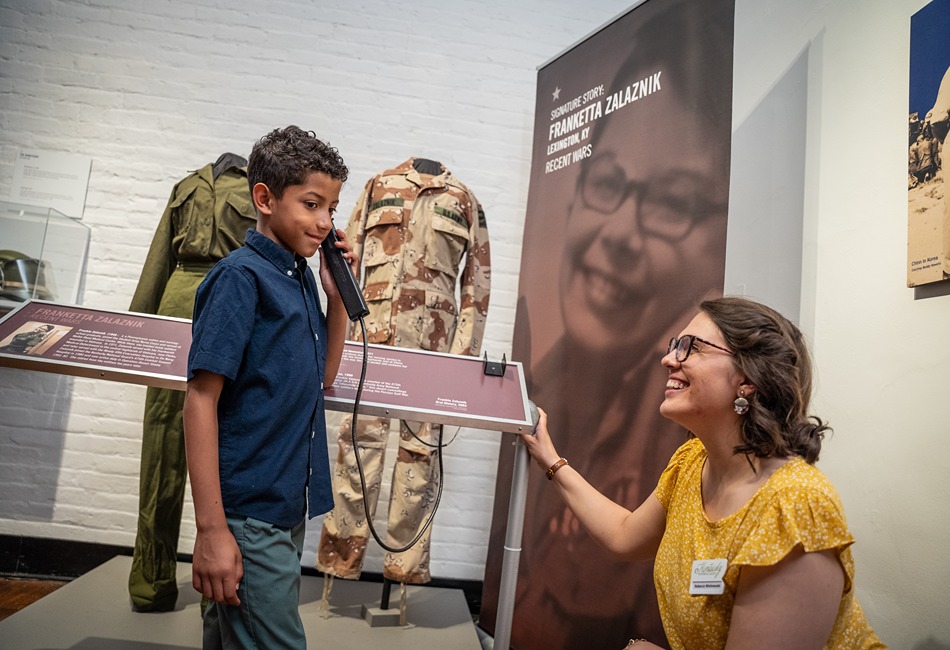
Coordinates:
(50,179)
(928,209)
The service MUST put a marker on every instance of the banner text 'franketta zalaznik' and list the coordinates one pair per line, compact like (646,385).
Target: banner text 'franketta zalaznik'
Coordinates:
(571,121)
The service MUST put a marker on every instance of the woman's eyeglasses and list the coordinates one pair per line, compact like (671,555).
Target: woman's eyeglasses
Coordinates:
(666,208)
(683,345)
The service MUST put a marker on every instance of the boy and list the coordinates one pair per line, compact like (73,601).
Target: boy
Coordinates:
(255,433)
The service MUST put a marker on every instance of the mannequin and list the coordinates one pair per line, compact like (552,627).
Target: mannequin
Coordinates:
(421,236)
(207,216)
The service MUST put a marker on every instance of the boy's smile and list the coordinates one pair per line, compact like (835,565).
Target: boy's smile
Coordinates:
(300,219)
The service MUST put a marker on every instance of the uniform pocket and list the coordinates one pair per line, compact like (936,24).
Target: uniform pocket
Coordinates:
(237,216)
(193,222)
(378,298)
(427,320)
(183,209)
(446,242)
(381,241)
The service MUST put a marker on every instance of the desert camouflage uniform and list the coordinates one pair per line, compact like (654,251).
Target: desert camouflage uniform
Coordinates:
(413,231)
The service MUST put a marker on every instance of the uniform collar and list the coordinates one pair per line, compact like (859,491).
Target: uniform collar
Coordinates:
(422,180)
(205,173)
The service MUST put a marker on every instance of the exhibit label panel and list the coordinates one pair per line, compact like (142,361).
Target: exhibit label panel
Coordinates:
(432,387)
(153,351)
(115,346)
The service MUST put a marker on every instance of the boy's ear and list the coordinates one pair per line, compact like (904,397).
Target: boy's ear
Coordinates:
(262,198)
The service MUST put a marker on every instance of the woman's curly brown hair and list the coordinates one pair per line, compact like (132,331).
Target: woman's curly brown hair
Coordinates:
(771,352)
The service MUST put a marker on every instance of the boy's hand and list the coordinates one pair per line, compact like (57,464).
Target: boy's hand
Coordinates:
(217,567)
(326,276)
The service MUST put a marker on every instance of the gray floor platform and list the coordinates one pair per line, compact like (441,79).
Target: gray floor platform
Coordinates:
(93,613)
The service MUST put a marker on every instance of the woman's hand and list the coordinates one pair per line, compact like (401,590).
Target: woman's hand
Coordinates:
(539,443)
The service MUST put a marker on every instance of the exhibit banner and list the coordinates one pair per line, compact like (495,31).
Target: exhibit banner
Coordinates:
(928,210)
(625,233)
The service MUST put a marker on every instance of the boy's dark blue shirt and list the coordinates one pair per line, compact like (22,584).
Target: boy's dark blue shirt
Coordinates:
(258,321)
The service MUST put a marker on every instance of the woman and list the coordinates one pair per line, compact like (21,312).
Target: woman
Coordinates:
(749,541)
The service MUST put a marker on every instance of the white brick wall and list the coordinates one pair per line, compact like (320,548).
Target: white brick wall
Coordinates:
(152,90)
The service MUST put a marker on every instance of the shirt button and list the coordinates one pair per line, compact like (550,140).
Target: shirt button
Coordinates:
(290,272)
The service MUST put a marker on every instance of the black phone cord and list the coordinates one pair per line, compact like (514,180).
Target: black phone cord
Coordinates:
(359,464)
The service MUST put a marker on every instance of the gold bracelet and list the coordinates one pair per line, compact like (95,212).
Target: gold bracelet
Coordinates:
(552,470)
(634,642)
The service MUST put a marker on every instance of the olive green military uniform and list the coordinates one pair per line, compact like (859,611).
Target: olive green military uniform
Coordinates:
(422,237)
(205,219)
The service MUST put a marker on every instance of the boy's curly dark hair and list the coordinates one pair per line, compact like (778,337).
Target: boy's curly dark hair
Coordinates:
(285,157)
(771,352)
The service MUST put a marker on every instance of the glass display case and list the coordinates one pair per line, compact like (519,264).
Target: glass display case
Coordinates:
(42,255)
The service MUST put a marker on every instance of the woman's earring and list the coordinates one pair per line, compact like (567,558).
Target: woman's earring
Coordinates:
(741,404)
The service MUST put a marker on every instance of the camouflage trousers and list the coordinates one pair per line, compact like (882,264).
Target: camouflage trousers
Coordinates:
(412,497)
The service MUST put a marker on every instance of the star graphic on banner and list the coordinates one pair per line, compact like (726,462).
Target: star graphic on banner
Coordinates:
(557,93)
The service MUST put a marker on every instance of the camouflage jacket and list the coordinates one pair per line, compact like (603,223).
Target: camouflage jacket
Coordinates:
(205,219)
(422,240)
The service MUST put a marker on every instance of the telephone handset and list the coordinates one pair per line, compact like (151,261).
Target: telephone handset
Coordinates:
(343,276)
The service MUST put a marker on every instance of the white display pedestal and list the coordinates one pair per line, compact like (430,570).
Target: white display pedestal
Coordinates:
(400,383)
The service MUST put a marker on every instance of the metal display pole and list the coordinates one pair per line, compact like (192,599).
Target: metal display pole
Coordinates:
(512,555)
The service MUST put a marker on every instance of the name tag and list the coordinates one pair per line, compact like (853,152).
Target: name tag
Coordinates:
(706,578)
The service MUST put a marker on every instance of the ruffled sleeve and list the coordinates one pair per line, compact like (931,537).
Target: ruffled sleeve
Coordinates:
(801,507)
(688,453)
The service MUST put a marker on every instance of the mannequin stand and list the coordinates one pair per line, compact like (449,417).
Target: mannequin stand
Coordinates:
(382,616)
